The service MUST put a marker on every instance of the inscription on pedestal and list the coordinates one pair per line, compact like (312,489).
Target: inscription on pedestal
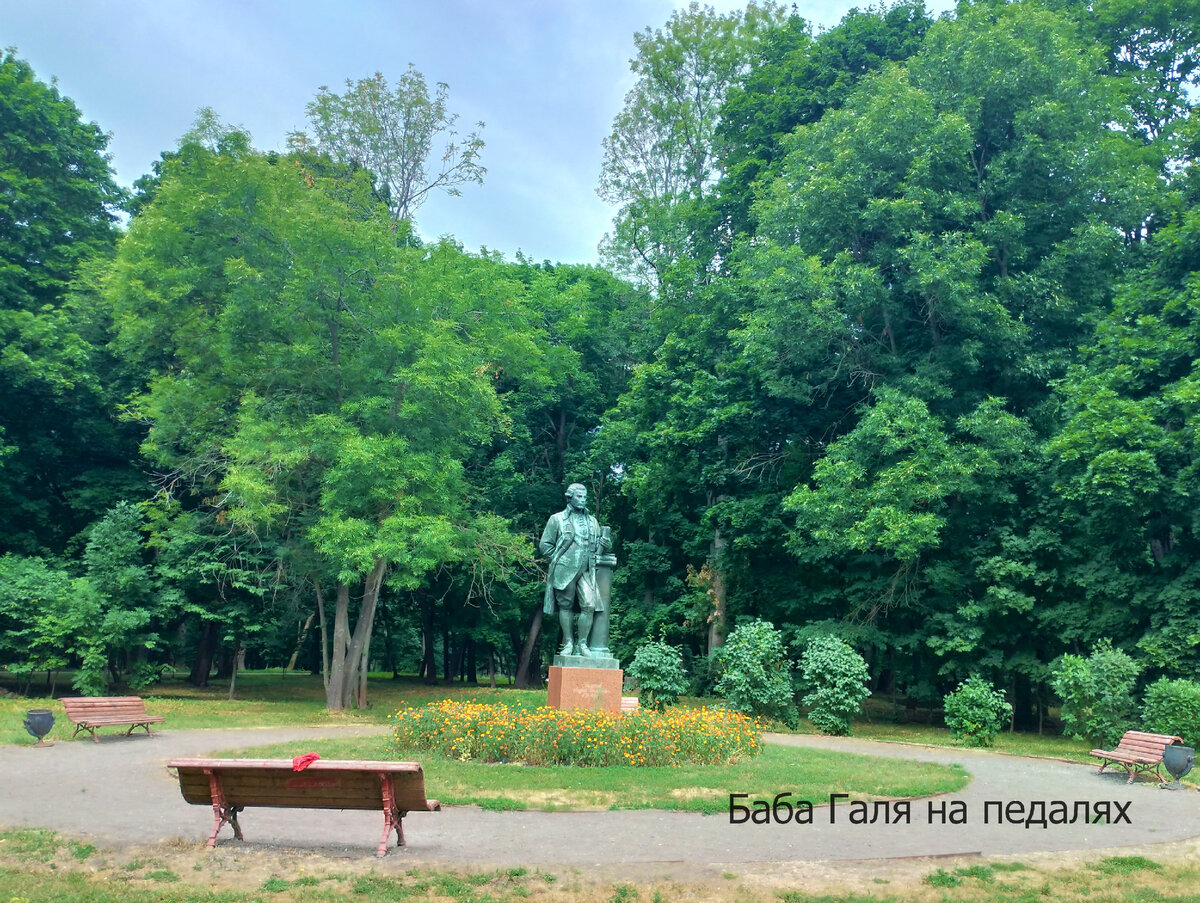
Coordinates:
(589,689)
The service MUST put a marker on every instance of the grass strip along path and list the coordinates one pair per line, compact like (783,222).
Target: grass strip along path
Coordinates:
(38,866)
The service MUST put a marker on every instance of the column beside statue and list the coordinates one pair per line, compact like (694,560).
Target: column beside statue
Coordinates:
(584,673)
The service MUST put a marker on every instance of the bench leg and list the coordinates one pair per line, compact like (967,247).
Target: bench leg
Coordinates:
(393,819)
(237,829)
(222,812)
(132,726)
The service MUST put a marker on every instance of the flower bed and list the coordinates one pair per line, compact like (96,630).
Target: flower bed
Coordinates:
(546,736)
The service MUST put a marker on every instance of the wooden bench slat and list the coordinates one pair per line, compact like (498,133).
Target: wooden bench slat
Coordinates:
(317,765)
(300,800)
(90,712)
(107,720)
(1137,751)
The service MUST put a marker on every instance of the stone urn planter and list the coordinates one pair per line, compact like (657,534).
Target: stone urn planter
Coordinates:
(39,722)
(1178,760)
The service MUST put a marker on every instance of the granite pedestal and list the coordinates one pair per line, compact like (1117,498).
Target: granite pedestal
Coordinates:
(585,682)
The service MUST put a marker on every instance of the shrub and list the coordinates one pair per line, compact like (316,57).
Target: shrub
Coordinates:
(756,673)
(1096,694)
(836,677)
(495,733)
(1173,707)
(658,670)
(976,712)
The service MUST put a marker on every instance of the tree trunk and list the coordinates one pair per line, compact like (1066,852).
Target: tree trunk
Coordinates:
(324,640)
(363,672)
(717,625)
(335,688)
(525,677)
(472,674)
(204,655)
(238,660)
(300,642)
(460,652)
(560,445)
(360,643)
(428,672)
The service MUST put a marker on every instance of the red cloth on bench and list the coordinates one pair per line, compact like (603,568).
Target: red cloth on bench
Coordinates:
(302,762)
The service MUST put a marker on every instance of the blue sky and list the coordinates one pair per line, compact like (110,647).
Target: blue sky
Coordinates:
(545,76)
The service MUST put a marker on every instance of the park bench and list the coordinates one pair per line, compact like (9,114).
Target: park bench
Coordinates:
(1138,752)
(230,785)
(90,712)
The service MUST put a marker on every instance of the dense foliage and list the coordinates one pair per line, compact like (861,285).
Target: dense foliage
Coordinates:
(659,672)
(835,678)
(756,672)
(976,712)
(1173,707)
(907,358)
(1097,694)
(545,736)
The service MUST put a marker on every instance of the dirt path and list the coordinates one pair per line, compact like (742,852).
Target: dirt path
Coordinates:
(119,793)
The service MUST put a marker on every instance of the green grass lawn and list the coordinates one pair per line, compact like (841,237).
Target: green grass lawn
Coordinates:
(1053,746)
(264,699)
(809,774)
(40,867)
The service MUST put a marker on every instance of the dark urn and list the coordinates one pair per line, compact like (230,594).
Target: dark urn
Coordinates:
(1179,760)
(38,722)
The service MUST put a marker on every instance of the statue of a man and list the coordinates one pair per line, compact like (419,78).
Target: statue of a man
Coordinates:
(572,540)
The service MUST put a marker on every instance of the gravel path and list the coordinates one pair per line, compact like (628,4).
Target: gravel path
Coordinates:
(119,792)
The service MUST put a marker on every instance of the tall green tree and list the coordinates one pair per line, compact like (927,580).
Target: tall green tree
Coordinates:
(62,460)
(60,200)
(309,376)
(793,79)
(659,160)
(953,257)
(1125,459)
(867,380)
(404,136)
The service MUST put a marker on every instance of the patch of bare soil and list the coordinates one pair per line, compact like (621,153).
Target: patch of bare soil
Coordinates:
(889,877)
(564,800)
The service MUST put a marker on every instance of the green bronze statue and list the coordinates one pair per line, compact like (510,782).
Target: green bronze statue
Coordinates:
(574,542)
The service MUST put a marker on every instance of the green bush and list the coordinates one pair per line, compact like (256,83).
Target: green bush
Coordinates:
(1097,694)
(1173,707)
(976,712)
(756,674)
(658,670)
(836,677)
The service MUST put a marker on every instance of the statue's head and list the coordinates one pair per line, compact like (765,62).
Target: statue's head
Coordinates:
(577,496)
